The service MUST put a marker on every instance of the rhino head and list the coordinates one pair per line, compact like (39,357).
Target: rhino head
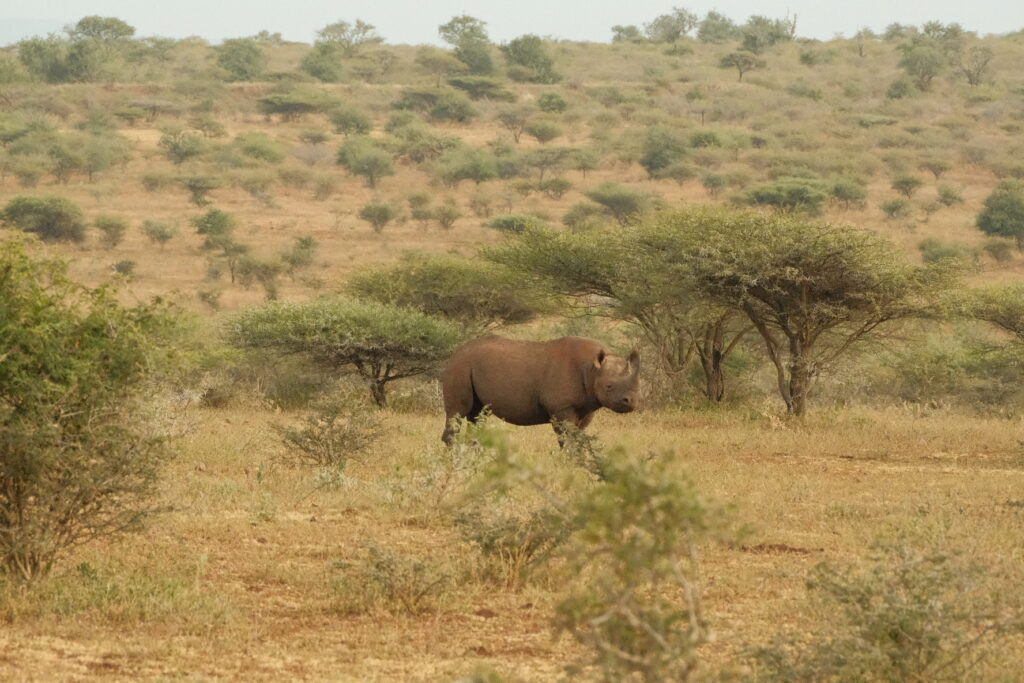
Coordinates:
(617,381)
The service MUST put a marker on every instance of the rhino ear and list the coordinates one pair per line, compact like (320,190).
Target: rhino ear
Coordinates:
(599,361)
(633,362)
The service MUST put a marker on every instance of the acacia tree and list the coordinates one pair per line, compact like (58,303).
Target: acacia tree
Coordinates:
(381,342)
(640,276)
(348,38)
(468,35)
(476,294)
(812,291)
(742,62)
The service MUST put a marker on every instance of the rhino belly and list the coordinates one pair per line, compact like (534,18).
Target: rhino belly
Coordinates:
(513,399)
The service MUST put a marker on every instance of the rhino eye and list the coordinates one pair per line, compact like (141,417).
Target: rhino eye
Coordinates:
(608,386)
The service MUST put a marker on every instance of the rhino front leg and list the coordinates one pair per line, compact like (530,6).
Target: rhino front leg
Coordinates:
(567,421)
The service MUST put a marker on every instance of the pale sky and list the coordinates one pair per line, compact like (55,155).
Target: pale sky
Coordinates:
(416,21)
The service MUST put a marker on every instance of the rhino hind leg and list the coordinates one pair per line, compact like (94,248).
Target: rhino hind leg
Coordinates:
(460,401)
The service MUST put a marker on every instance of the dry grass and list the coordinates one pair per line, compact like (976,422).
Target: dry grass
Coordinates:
(250,548)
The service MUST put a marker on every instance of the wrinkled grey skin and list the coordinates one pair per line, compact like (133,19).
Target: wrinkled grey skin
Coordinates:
(562,381)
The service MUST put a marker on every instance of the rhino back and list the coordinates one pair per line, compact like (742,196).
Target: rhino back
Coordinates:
(524,382)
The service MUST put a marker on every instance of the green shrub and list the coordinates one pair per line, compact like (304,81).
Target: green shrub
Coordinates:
(515,223)
(75,447)
(333,434)
(934,250)
(552,103)
(906,185)
(54,219)
(112,229)
(446,214)
(351,121)
(378,214)
(622,203)
(791,194)
(910,615)
(895,208)
(850,192)
(260,146)
(1003,215)
(542,131)
(362,157)
(634,602)
(158,232)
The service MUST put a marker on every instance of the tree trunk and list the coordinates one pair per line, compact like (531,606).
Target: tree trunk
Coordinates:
(800,379)
(714,378)
(379,392)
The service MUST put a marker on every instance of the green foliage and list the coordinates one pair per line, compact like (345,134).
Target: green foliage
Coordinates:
(791,194)
(622,203)
(922,64)
(381,342)
(332,435)
(446,214)
(199,187)
(906,185)
(662,147)
(811,290)
(716,28)
(515,223)
(112,229)
(467,164)
(475,294)
(482,88)
(542,131)
(217,228)
(895,208)
(1001,305)
(242,58)
(158,232)
(530,54)
(180,145)
(901,89)
(53,219)
(851,192)
(77,461)
(761,33)
(323,62)
(669,28)
(468,35)
(293,102)
(1003,215)
(934,250)
(348,120)
(742,62)
(910,615)
(552,103)
(442,104)
(378,214)
(348,38)
(300,255)
(636,603)
(260,146)
(362,157)
(438,62)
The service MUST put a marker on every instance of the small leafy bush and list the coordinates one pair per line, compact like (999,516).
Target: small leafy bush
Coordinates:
(53,219)
(338,429)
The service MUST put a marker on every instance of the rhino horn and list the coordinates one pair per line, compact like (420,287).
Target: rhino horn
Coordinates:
(633,362)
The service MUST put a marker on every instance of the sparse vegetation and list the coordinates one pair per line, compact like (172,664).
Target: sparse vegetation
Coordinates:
(222,174)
